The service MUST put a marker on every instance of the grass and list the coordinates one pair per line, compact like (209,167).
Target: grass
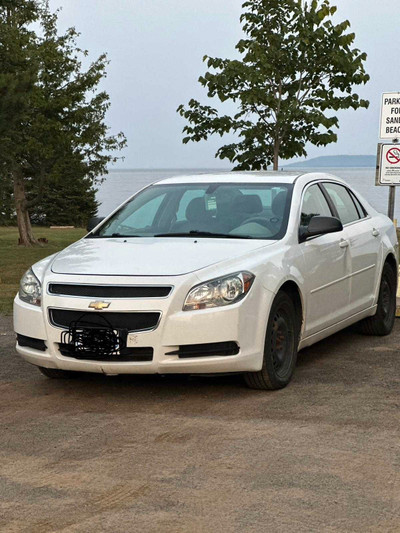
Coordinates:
(15,260)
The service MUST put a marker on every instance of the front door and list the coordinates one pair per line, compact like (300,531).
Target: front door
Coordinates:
(327,263)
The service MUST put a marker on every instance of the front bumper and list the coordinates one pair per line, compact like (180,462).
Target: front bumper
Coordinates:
(243,323)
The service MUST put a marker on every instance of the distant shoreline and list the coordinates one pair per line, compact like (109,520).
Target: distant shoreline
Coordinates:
(168,169)
(291,167)
(323,162)
(312,167)
(337,161)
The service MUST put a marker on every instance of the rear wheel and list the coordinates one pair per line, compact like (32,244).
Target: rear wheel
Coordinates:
(382,322)
(56,373)
(280,349)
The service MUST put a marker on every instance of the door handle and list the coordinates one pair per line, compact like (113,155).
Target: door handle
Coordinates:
(343,243)
(376,232)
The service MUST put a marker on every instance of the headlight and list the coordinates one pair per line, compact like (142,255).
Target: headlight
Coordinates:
(218,292)
(30,289)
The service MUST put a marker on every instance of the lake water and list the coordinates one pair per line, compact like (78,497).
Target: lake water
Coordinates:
(120,184)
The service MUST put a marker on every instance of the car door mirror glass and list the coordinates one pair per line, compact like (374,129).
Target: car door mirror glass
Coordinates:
(320,226)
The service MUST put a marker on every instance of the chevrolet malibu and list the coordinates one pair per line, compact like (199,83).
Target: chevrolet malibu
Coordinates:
(212,274)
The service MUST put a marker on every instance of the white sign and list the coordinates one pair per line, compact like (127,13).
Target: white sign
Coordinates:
(388,167)
(390,116)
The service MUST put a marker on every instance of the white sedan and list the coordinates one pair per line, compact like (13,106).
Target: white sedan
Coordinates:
(212,273)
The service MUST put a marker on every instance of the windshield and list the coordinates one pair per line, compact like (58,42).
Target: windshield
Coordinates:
(216,210)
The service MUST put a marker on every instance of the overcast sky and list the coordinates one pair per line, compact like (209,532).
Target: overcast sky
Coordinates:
(156,49)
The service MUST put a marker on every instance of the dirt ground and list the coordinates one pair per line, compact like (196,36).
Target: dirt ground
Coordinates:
(154,454)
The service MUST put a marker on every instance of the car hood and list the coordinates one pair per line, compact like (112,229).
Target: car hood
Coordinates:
(169,256)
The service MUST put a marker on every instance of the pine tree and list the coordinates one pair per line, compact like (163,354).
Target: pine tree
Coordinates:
(60,126)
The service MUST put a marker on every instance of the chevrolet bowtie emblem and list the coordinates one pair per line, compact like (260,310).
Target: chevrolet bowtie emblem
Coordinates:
(99,306)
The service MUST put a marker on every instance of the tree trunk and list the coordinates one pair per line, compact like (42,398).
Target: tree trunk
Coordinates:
(26,237)
(277,145)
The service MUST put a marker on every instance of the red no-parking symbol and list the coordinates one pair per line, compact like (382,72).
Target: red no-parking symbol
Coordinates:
(393,156)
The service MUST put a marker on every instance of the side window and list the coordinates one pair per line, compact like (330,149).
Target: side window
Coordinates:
(361,210)
(343,202)
(314,204)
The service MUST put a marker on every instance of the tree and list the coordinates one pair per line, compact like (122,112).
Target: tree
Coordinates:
(17,78)
(70,201)
(6,204)
(62,132)
(296,66)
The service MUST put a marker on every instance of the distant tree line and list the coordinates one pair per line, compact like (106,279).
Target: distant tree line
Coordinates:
(54,142)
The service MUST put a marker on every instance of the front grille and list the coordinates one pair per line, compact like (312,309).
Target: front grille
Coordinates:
(109,291)
(62,318)
(206,350)
(30,342)
(133,355)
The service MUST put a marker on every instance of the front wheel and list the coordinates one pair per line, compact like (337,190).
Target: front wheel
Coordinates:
(383,321)
(280,349)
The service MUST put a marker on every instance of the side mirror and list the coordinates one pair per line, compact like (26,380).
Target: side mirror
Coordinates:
(321,226)
(93,222)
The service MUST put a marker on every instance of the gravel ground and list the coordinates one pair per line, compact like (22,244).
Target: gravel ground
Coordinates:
(154,454)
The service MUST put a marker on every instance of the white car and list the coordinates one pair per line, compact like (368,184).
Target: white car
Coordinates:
(212,273)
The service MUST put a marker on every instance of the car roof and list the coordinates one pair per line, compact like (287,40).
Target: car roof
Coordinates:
(247,177)
(234,177)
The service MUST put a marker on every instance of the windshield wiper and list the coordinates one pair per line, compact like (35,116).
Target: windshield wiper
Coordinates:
(119,235)
(193,233)
(196,233)
(124,236)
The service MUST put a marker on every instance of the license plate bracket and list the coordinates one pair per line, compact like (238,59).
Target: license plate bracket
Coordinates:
(102,339)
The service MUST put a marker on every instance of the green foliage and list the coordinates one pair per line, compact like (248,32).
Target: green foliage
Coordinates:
(296,66)
(67,202)
(68,114)
(70,202)
(53,133)
(6,203)
(18,74)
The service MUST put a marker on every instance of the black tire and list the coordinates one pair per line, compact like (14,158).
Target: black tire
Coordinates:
(382,322)
(281,344)
(56,373)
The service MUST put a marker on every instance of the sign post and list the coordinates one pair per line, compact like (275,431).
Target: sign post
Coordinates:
(388,161)
(392,197)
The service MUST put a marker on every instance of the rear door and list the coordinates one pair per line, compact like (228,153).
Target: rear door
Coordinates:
(364,245)
(327,267)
